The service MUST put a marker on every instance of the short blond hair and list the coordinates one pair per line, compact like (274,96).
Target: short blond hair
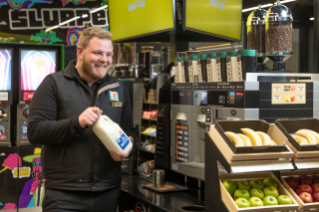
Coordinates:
(90,32)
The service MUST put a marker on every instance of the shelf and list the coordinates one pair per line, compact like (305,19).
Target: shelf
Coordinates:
(153,119)
(149,135)
(144,150)
(150,103)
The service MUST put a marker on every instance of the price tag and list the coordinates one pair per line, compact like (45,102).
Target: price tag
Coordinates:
(175,167)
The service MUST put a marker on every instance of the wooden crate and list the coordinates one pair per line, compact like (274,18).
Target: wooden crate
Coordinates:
(303,207)
(231,205)
(302,154)
(233,158)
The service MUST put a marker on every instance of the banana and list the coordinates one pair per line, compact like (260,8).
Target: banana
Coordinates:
(235,138)
(273,142)
(264,137)
(310,137)
(254,137)
(245,138)
(301,140)
(315,134)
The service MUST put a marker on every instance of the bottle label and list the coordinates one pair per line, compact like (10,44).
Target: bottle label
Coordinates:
(123,141)
(199,72)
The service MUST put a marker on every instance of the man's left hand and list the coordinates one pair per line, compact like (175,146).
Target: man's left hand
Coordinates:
(120,157)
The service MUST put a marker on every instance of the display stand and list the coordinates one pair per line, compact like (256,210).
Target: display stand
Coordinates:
(213,155)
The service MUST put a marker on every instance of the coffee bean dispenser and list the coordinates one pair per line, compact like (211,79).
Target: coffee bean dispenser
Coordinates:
(279,35)
(256,36)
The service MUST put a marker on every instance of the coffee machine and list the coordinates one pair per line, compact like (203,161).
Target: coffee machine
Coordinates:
(6,97)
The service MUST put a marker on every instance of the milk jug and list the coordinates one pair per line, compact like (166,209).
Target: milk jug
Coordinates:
(111,135)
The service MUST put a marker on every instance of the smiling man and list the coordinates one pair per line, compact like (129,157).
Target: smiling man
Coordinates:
(79,173)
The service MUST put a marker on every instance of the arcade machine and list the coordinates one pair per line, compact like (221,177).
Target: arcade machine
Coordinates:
(6,97)
(35,65)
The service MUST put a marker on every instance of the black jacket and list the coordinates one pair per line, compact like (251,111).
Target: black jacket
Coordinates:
(73,158)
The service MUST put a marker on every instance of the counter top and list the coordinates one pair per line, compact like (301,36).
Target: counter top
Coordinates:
(166,201)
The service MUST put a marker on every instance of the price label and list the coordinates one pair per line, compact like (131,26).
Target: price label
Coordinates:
(277,98)
(300,89)
(301,97)
(175,167)
(276,89)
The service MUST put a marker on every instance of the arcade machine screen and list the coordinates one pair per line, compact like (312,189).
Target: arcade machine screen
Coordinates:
(35,65)
(5,69)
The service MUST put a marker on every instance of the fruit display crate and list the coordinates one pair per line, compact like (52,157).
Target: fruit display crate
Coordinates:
(303,207)
(258,125)
(245,162)
(232,206)
(289,127)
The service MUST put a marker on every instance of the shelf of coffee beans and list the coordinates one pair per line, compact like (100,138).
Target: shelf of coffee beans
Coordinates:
(248,61)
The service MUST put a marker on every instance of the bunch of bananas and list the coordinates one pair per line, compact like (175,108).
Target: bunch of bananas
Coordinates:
(250,138)
(305,136)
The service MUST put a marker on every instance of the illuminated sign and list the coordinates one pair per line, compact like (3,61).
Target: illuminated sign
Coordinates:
(131,18)
(219,17)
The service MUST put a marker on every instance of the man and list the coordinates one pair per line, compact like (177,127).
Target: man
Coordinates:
(79,174)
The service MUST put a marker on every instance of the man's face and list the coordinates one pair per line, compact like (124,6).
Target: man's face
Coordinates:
(97,58)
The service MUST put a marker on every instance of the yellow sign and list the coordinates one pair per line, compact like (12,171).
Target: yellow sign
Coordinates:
(130,18)
(290,93)
(219,17)
(23,172)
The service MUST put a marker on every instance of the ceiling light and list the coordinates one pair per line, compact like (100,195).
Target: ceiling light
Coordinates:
(266,5)
(72,19)
(100,8)
(85,15)
(255,8)
(285,1)
(312,19)
(49,29)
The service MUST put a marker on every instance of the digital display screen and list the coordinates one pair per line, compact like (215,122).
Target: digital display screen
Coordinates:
(218,17)
(35,65)
(131,18)
(5,69)
(204,98)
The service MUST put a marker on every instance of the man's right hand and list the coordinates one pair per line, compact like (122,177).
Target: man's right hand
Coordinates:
(89,116)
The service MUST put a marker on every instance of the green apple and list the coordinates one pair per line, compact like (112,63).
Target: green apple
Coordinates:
(284,200)
(271,191)
(241,193)
(230,186)
(254,192)
(243,184)
(270,182)
(242,203)
(256,183)
(270,200)
(255,201)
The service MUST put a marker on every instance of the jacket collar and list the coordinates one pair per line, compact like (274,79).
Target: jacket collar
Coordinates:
(71,72)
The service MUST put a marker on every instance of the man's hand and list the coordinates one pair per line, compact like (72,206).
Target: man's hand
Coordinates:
(89,116)
(120,157)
